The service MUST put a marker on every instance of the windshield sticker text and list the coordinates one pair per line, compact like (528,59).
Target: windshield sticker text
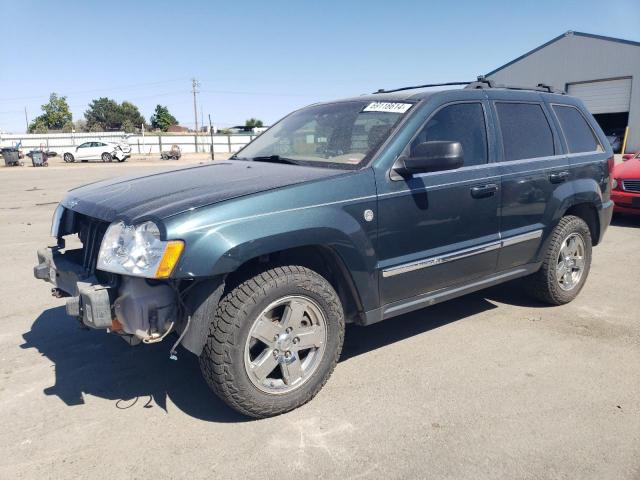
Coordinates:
(391,107)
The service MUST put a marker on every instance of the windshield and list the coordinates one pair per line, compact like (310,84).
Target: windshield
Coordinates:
(342,134)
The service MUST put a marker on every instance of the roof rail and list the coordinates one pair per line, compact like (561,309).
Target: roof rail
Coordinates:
(484,82)
(448,84)
(481,82)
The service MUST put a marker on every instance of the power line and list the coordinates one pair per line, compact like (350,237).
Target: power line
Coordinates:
(108,89)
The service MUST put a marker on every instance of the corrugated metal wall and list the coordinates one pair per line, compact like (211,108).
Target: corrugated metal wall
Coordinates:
(578,58)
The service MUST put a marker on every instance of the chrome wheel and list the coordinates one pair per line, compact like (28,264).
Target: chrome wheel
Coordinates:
(285,344)
(571,262)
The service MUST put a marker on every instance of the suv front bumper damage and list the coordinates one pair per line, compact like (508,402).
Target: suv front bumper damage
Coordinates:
(129,306)
(90,300)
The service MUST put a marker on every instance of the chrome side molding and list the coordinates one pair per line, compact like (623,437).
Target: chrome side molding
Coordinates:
(525,237)
(467,252)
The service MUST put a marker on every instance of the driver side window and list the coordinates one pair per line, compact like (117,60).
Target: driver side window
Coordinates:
(460,122)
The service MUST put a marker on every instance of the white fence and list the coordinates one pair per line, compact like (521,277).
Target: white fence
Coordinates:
(147,144)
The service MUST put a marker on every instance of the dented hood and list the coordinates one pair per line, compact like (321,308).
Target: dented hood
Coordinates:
(167,193)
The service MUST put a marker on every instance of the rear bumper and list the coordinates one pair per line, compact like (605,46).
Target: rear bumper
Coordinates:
(605,212)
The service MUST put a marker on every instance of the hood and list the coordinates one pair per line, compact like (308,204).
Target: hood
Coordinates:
(628,169)
(160,195)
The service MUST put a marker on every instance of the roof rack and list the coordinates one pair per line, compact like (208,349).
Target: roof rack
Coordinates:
(448,84)
(481,82)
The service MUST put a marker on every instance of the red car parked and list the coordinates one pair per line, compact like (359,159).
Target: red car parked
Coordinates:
(626,186)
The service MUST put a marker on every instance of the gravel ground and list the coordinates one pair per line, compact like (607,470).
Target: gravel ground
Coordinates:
(492,385)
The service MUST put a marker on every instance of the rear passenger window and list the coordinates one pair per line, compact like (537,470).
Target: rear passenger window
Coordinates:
(525,131)
(580,137)
(460,122)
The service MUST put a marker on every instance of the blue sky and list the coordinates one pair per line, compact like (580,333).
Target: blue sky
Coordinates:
(265,58)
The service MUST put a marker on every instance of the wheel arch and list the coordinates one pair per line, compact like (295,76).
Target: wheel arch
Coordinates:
(588,212)
(322,259)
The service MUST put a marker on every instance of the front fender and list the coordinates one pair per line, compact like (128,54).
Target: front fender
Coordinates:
(234,237)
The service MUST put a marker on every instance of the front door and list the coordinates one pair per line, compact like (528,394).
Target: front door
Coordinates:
(441,229)
(83,151)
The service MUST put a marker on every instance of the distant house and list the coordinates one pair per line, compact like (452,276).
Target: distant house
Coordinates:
(245,129)
(177,129)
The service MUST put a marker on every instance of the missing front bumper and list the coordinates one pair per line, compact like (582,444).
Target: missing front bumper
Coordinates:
(129,305)
(90,301)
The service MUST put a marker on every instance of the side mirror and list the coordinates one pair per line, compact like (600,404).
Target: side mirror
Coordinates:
(431,156)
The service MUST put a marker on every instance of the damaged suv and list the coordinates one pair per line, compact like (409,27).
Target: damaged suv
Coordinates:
(353,211)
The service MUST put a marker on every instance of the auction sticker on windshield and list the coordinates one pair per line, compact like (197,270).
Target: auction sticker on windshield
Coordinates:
(391,107)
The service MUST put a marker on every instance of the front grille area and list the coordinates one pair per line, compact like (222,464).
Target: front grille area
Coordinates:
(90,232)
(631,185)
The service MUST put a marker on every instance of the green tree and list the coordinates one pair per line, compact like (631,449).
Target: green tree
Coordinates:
(130,112)
(162,119)
(54,117)
(253,122)
(128,126)
(67,127)
(107,114)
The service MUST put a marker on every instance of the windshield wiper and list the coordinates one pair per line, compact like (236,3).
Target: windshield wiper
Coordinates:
(274,159)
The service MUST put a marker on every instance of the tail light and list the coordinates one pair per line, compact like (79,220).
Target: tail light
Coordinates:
(611,162)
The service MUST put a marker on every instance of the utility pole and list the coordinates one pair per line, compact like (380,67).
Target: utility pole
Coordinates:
(26,119)
(211,134)
(195,84)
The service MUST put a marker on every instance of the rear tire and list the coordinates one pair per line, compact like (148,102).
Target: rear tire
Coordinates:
(68,158)
(566,263)
(273,341)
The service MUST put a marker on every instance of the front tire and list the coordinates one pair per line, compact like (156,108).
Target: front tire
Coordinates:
(273,341)
(566,263)
(68,158)
(106,157)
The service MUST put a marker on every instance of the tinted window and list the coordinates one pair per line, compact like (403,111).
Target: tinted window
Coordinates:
(525,131)
(580,137)
(461,122)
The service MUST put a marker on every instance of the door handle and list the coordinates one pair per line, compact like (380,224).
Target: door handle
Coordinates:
(484,191)
(558,177)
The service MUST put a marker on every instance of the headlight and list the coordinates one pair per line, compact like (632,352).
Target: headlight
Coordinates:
(55,221)
(138,251)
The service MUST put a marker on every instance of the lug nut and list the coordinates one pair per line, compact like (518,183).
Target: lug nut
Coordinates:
(275,353)
(275,338)
(287,354)
(289,330)
(296,340)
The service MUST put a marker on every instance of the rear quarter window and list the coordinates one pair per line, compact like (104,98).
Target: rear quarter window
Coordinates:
(579,135)
(525,131)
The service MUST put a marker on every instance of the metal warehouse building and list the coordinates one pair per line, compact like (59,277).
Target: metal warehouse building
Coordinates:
(603,72)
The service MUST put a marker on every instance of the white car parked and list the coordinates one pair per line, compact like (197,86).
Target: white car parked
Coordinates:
(105,151)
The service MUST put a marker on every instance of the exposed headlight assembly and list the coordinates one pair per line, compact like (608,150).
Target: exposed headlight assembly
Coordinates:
(55,221)
(138,251)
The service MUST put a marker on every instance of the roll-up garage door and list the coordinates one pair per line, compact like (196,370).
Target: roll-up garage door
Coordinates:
(606,96)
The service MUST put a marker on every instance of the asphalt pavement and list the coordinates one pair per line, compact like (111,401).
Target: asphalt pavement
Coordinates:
(492,385)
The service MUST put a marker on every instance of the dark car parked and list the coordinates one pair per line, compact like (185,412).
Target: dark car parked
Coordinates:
(357,210)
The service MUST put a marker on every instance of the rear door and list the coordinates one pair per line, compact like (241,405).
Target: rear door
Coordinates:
(533,168)
(96,150)
(586,154)
(440,229)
